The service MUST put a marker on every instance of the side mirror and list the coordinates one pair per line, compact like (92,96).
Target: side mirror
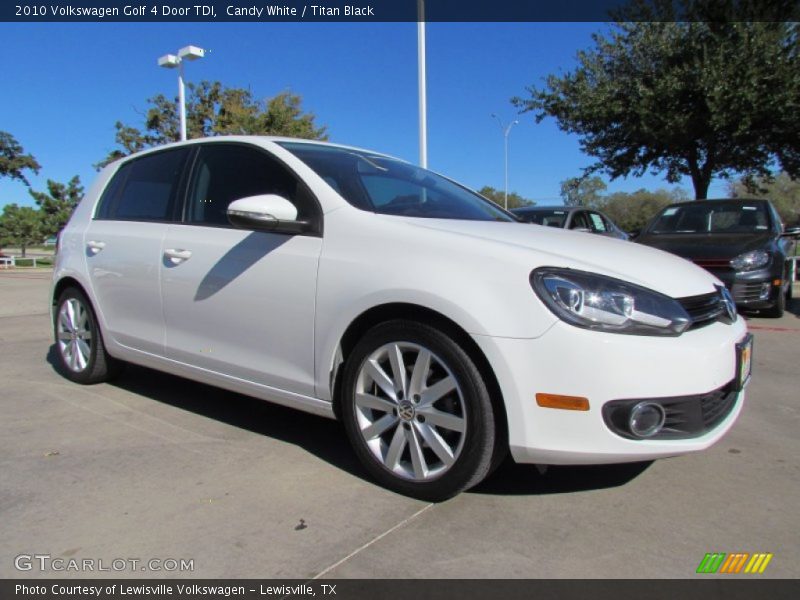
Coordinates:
(791,232)
(266,212)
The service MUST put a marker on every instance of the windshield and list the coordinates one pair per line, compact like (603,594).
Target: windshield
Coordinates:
(392,187)
(550,218)
(708,216)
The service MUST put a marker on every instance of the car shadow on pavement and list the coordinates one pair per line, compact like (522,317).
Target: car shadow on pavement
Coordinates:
(326,439)
(319,436)
(511,478)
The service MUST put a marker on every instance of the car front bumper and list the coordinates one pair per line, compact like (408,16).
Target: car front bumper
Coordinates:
(604,367)
(752,289)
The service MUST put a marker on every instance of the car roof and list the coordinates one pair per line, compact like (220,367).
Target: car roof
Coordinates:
(720,201)
(250,139)
(530,209)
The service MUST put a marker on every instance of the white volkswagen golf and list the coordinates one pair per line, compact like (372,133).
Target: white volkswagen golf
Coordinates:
(353,285)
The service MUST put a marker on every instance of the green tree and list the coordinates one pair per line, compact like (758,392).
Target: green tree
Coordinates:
(498,197)
(582,191)
(212,109)
(782,191)
(20,226)
(713,93)
(56,205)
(632,211)
(13,159)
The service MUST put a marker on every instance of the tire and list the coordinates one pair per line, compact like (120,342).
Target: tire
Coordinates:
(81,353)
(776,310)
(429,432)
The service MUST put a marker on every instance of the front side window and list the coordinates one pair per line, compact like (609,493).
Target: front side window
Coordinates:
(226,172)
(144,189)
(389,186)
(598,223)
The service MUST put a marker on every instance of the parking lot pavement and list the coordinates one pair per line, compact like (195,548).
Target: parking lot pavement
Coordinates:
(157,467)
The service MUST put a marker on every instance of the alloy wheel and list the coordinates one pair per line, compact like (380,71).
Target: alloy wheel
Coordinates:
(74,335)
(410,411)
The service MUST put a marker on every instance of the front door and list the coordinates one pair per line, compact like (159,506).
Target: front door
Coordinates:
(236,302)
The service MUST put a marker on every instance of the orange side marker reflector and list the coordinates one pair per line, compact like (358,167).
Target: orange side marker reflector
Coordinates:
(777,282)
(562,402)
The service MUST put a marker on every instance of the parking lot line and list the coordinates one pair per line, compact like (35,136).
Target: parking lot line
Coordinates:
(372,541)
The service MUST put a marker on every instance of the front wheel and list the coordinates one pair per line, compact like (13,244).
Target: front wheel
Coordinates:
(417,411)
(776,310)
(82,356)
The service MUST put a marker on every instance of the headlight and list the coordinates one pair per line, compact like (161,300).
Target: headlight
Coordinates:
(750,260)
(607,304)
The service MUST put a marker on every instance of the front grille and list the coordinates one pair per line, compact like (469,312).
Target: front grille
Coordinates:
(686,416)
(703,309)
(713,263)
(750,292)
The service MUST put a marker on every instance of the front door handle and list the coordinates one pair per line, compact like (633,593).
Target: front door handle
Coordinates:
(177,255)
(94,246)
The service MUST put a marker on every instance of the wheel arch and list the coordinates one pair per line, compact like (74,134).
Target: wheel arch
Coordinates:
(64,283)
(414,312)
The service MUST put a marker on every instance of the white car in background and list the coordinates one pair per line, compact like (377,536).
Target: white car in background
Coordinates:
(440,330)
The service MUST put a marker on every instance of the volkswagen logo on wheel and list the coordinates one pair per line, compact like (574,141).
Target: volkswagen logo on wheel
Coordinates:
(405,411)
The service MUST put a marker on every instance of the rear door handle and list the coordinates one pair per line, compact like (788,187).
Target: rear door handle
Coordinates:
(177,255)
(95,247)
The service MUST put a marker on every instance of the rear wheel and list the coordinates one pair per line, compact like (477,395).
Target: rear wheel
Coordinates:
(417,411)
(82,356)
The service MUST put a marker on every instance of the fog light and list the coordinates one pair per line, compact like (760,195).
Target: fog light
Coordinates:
(646,419)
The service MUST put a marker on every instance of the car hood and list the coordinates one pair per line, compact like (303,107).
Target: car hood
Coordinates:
(536,246)
(706,245)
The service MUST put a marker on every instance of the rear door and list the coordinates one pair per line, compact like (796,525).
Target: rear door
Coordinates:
(123,247)
(236,302)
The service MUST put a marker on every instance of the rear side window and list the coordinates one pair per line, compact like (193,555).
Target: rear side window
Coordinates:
(579,221)
(144,189)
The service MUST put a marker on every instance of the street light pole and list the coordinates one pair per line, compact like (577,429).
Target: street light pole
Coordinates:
(506,130)
(182,101)
(170,61)
(423,100)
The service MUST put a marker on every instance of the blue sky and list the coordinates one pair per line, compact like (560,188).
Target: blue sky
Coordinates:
(64,85)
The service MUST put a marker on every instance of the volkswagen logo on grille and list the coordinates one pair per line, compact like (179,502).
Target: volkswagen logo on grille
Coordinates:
(728,302)
(405,411)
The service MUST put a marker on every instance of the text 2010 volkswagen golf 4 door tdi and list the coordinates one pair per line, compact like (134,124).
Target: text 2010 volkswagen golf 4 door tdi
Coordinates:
(442,332)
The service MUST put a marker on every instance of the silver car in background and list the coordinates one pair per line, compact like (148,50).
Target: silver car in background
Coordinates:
(577,218)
